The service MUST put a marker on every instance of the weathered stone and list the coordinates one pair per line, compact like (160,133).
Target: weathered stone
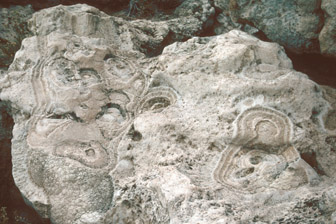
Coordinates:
(13,29)
(13,208)
(293,24)
(214,130)
(104,5)
(151,8)
(139,35)
(327,35)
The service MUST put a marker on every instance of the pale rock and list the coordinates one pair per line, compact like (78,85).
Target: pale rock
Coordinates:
(87,21)
(137,35)
(214,130)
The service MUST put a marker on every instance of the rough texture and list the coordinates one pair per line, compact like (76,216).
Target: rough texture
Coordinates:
(13,209)
(145,8)
(104,5)
(139,35)
(327,36)
(13,29)
(291,23)
(214,130)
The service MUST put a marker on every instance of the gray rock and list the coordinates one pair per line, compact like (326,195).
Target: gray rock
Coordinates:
(213,130)
(327,35)
(13,29)
(293,24)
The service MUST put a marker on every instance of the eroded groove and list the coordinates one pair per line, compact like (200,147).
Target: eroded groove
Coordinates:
(310,158)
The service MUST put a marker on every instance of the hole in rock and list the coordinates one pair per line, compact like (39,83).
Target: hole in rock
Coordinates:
(71,115)
(181,138)
(13,209)
(108,56)
(244,172)
(158,103)
(134,134)
(153,51)
(107,109)
(310,158)
(255,160)
(209,26)
(88,72)
(90,152)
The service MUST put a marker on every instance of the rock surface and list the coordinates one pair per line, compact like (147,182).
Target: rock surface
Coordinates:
(104,5)
(13,209)
(136,36)
(213,130)
(13,29)
(294,24)
(299,25)
(327,36)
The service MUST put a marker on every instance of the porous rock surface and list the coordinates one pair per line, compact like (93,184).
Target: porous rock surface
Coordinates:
(299,25)
(327,36)
(214,130)
(13,29)
(136,36)
(105,5)
(295,24)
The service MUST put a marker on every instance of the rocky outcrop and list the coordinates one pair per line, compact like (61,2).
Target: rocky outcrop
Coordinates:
(13,209)
(104,5)
(294,24)
(300,26)
(135,36)
(13,29)
(327,36)
(213,130)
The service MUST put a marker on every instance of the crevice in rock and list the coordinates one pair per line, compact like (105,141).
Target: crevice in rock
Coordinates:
(262,36)
(156,51)
(168,7)
(211,24)
(134,134)
(319,68)
(321,15)
(152,9)
(153,52)
(13,209)
(310,158)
